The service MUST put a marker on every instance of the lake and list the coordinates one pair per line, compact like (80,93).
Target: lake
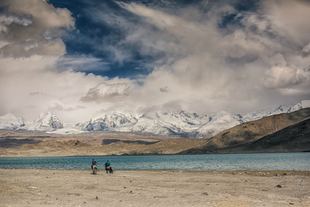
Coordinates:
(229,162)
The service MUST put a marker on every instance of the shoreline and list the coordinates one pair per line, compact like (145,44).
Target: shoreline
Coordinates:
(233,172)
(141,154)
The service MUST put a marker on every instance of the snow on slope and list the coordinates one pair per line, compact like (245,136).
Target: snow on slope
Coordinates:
(179,123)
(219,122)
(10,121)
(280,109)
(114,121)
(46,122)
(164,123)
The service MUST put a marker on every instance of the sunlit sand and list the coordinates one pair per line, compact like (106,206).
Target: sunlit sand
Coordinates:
(33,188)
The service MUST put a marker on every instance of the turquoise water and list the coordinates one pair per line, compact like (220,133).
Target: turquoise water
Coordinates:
(262,161)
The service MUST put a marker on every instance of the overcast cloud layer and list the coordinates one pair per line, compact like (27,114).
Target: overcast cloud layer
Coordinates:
(261,61)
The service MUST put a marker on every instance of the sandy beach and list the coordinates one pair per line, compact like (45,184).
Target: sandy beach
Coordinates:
(31,187)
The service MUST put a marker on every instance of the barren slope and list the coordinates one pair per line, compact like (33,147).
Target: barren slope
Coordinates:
(252,131)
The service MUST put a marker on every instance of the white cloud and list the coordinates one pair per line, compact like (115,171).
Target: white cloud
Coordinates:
(215,69)
(81,63)
(108,91)
(284,76)
(5,21)
(306,49)
(33,27)
(32,78)
(290,19)
(202,68)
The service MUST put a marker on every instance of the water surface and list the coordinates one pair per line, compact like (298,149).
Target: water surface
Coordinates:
(261,161)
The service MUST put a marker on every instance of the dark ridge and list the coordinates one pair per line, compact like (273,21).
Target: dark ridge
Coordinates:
(110,141)
(12,142)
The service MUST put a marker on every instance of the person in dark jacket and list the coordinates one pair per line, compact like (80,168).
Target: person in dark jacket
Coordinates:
(108,168)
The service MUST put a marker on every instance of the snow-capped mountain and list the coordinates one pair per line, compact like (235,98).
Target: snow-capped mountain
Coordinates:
(169,123)
(46,122)
(180,123)
(163,123)
(218,122)
(114,121)
(278,110)
(10,121)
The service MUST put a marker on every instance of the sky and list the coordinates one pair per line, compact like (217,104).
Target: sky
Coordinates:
(82,58)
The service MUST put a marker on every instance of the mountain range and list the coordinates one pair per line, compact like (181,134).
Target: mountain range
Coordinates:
(179,123)
(281,132)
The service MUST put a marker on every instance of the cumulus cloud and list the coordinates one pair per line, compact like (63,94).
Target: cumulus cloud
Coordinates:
(6,21)
(35,77)
(199,65)
(225,68)
(290,18)
(284,76)
(32,27)
(306,50)
(108,92)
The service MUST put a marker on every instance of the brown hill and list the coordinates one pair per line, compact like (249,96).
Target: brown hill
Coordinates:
(283,132)
(237,138)
(31,143)
(294,138)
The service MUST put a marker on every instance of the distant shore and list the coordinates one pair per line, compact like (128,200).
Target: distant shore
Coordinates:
(32,187)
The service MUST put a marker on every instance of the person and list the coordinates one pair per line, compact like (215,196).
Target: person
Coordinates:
(93,164)
(108,168)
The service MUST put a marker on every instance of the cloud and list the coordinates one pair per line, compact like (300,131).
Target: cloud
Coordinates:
(306,50)
(284,76)
(32,78)
(6,21)
(217,66)
(32,27)
(290,18)
(108,91)
(197,65)
(82,63)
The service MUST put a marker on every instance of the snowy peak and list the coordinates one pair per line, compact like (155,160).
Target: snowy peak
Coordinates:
(303,104)
(278,110)
(164,123)
(218,122)
(109,121)
(281,109)
(12,122)
(46,122)
(180,123)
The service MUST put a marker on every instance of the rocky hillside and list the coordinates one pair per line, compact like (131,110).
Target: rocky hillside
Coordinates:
(290,139)
(242,137)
